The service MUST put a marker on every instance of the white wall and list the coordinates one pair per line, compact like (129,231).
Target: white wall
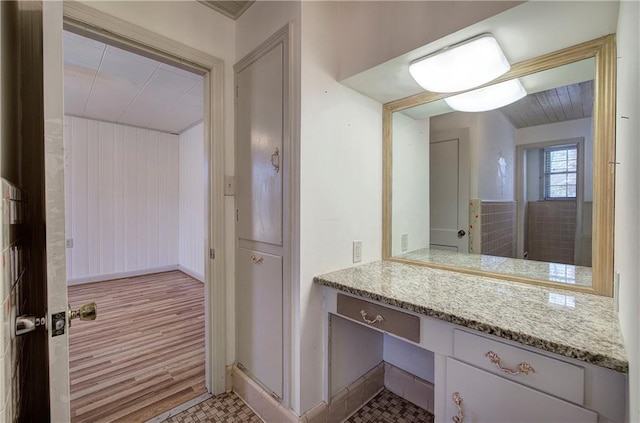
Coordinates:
(340,180)
(410,212)
(121,201)
(202,28)
(491,152)
(495,155)
(627,234)
(561,131)
(191,191)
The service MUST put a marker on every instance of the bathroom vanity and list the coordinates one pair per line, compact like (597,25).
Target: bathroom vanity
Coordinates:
(503,351)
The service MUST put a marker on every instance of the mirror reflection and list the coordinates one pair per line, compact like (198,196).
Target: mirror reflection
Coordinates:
(507,190)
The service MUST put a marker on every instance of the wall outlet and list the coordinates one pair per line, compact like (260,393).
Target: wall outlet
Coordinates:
(616,292)
(69,243)
(404,242)
(357,251)
(229,185)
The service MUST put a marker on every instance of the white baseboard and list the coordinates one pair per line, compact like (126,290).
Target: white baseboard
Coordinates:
(194,275)
(120,275)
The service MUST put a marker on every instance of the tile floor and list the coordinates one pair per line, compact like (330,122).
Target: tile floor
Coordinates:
(225,408)
(386,407)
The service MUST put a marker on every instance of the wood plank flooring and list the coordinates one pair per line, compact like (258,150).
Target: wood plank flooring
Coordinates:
(144,354)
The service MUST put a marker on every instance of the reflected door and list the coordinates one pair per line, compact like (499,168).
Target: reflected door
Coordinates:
(449,195)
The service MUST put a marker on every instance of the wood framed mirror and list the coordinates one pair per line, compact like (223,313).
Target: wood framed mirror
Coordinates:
(588,71)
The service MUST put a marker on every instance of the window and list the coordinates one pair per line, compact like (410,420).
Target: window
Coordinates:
(560,172)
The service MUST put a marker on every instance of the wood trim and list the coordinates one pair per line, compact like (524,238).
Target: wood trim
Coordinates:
(85,19)
(604,168)
(387,180)
(603,50)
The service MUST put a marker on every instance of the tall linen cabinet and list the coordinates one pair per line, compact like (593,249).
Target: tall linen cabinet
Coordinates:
(262,165)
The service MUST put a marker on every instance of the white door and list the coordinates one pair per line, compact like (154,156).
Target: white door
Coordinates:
(259,154)
(449,193)
(259,329)
(54,191)
(489,398)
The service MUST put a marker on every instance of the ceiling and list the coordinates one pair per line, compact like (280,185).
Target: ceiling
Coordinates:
(555,95)
(555,105)
(229,8)
(106,83)
(526,31)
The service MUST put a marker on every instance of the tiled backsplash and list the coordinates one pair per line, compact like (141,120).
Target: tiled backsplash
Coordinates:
(498,228)
(11,278)
(551,231)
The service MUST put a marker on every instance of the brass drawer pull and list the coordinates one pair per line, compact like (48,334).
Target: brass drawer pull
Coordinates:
(377,319)
(523,367)
(457,399)
(256,260)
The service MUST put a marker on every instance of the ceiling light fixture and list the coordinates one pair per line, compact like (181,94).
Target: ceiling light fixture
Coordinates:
(488,98)
(462,66)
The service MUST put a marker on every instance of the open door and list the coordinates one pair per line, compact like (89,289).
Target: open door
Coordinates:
(52,71)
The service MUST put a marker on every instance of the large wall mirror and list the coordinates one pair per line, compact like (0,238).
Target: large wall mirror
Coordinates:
(524,192)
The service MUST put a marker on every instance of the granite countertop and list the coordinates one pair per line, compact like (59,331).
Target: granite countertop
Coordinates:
(573,324)
(553,272)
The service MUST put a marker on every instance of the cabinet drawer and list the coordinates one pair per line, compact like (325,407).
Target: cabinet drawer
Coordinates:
(385,319)
(492,399)
(555,377)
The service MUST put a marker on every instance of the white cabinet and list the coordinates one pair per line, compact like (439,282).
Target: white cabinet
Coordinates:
(259,148)
(259,317)
(489,398)
(262,212)
(557,389)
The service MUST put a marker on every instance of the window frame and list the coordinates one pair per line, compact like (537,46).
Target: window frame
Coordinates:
(546,176)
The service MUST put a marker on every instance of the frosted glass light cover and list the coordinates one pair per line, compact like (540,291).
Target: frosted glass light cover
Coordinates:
(488,98)
(461,67)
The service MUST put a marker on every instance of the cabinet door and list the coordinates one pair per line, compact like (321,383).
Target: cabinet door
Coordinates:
(259,317)
(259,155)
(490,398)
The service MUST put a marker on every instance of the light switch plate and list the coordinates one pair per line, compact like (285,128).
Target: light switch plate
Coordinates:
(229,185)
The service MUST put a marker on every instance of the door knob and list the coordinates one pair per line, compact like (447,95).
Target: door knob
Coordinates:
(461,233)
(85,312)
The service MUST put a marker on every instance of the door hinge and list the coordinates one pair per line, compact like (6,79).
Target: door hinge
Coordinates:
(236,91)
(212,253)
(237,215)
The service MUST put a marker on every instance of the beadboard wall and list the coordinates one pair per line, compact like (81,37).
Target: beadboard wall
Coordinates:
(191,198)
(121,200)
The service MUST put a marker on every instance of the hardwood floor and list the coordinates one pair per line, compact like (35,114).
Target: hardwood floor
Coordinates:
(144,354)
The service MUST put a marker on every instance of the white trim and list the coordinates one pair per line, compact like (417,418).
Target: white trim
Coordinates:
(84,19)
(120,275)
(194,275)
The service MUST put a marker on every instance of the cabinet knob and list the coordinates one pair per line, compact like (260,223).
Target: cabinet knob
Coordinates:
(524,367)
(457,399)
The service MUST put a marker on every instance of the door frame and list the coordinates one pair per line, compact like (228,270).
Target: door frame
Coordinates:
(88,21)
(520,181)
(464,180)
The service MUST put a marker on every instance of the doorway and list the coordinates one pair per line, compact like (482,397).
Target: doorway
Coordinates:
(135,224)
(106,28)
